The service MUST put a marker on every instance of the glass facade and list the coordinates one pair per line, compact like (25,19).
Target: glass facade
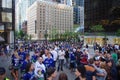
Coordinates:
(7,20)
(106,13)
(6,17)
(79,2)
(7,3)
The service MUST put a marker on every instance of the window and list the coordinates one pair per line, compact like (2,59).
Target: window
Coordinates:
(6,17)
(7,3)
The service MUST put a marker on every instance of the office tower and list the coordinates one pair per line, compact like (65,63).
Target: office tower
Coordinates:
(45,17)
(106,13)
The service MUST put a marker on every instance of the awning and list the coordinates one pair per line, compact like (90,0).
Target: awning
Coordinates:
(1,30)
(2,39)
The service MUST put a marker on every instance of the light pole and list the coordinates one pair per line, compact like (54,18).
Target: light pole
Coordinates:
(13,19)
(46,35)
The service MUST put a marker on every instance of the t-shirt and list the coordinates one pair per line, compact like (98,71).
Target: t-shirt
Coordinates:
(39,69)
(90,72)
(48,62)
(55,55)
(28,76)
(22,56)
(61,54)
(23,67)
(15,61)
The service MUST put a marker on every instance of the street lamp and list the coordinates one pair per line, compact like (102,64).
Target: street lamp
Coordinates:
(13,19)
(46,35)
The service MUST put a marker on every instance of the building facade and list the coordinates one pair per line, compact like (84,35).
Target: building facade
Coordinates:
(67,2)
(44,17)
(79,15)
(7,20)
(78,12)
(21,14)
(106,13)
(78,3)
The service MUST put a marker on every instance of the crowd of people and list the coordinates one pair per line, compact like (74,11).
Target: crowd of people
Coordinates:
(42,61)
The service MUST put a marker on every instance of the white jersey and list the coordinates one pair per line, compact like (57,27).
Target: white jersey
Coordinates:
(55,55)
(38,68)
(61,54)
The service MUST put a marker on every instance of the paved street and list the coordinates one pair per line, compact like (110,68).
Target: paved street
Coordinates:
(5,62)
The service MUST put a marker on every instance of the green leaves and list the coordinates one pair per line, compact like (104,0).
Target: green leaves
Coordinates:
(97,28)
(118,32)
(21,35)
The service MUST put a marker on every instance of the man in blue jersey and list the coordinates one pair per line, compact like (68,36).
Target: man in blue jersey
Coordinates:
(25,62)
(49,62)
(22,57)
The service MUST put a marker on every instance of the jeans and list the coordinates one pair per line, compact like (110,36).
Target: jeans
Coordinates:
(60,64)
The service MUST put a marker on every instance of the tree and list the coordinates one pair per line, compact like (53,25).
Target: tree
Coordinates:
(97,29)
(118,32)
(21,34)
(30,37)
(16,34)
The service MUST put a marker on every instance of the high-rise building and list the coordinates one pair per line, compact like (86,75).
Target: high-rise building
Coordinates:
(67,2)
(21,13)
(78,15)
(78,12)
(106,13)
(78,2)
(46,16)
(7,21)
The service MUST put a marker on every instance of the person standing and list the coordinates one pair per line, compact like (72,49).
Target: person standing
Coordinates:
(55,55)
(39,69)
(48,62)
(25,62)
(22,56)
(111,70)
(45,55)
(15,64)
(67,57)
(61,57)
(29,74)
(72,61)
(78,56)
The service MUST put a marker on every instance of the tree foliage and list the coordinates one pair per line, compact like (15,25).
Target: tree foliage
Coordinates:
(22,35)
(97,28)
(118,32)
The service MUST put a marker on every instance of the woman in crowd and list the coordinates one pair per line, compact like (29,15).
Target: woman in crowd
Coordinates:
(29,74)
(80,73)
(63,76)
(111,70)
(15,64)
